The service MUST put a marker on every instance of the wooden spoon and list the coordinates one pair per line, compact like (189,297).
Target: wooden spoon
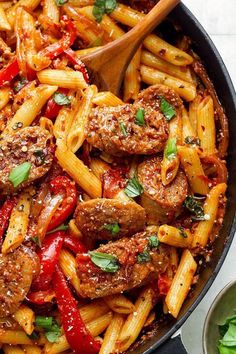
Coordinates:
(108,64)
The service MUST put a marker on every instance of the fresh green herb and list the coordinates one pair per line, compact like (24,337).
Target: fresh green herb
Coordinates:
(36,240)
(195,207)
(61,2)
(227,345)
(20,84)
(62,227)
(33,336)
(40,156)
(19,174)
(192,140)
(61,99)
(182,232)
(133,188)
(52,330)
(144,257)
(170,149)
(123,129)
(153,242)
(139,118)
(113,228)
(102,7)
(107,262)
(168,111)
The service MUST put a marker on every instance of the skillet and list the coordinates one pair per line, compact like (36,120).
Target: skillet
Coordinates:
(160,342)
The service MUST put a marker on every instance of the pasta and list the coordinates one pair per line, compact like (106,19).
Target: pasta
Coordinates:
(106,201)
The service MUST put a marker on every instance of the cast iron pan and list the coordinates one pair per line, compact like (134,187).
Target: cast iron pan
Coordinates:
(161,343)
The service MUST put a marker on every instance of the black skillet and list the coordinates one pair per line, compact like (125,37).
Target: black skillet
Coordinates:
(161,343)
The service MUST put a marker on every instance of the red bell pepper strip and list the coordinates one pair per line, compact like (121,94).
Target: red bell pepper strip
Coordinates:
(9,72)
(5,214)
(40,297)
(53,50)
(48,257)
(62,184)
(74,244)
(52,108)
(79,338)
(79,65)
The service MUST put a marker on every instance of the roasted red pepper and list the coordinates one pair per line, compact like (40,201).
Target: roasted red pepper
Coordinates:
(77,335)
(74,244)
(52,108)
(48,257)
(41,297)
(62,184)
(55,49)
(5,214)
(78,64)
(9,72)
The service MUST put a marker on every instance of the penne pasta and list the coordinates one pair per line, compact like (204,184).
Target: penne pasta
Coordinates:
(4,96)
(181,283)
(98,167)
(94,310)
(132,78)
(107,99)
(74,229)
(51,10)
(188,131)
(11,12)
(46,124)
(193,107)
(4,24)
(32,349)
(152,76)
(119,303)
(62,78)
(14,337)
(8,349)
(111,336)
(68,265)
(204,228)
(173,236)
(25,317)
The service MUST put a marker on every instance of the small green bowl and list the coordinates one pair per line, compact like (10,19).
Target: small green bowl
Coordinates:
(222,307)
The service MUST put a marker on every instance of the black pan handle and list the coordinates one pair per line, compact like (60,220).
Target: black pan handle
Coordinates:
(172,346)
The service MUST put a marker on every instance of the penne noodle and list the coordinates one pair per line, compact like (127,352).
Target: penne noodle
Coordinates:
(5,5)
(8,349)
(151,318)
(78,171)
(30,108)
(68,265)
(181,72)
(94,310)
(119,303)
(4,24)
(181,283)
(74,229)
(25,317)
(173,236)
(107,98)
(193,168)
(51,10)
(183,88)
(98,167)
(204,228)
(62,78)
(32,349)
(193,107)
(111,336)
(76,134)
(47,124)
(188,131)
(132,78)
(18,223)
(14,337)
(81,3)
(206,129)
(11,12)
(4,96)
(136,320)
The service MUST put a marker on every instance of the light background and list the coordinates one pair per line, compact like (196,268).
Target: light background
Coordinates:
(218,17)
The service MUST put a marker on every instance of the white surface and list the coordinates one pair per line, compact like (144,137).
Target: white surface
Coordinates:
(218,18)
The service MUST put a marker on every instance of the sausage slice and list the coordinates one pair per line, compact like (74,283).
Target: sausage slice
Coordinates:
(16,273)
(137,264)
(108,219)
(30,144)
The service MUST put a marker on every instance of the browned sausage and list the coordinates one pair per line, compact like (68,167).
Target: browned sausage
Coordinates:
(31,144)
(157,199)
(96,217)
(137,264)
(16,273)
(114,129)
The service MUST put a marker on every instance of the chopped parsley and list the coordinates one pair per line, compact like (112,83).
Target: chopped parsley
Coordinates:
(182,232)
(19,174)
(107,262)
(123,129)
(52,330)
(61,227)
(139,118)
(192,140)
(153,242)
(20,84)
(144,257)
(61,99)
(113,228)
(133,188)
(170,149)
(102,7)
(195,207)
(168,110)
(61,2)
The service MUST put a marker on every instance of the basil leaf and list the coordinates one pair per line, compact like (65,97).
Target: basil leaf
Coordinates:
(20,84)
(192,140)
(113,228)
(123,129)
(53,337)
(153,242)
(182,232)
(61,99)
(168,111)
(170,149)
(52,330)
(229,338)
(106,262)
(61,2)
(195,207)
(19,174)
(61,227)
(144,257)
(226,350)
(139,118)
(102,7)
(133,188)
